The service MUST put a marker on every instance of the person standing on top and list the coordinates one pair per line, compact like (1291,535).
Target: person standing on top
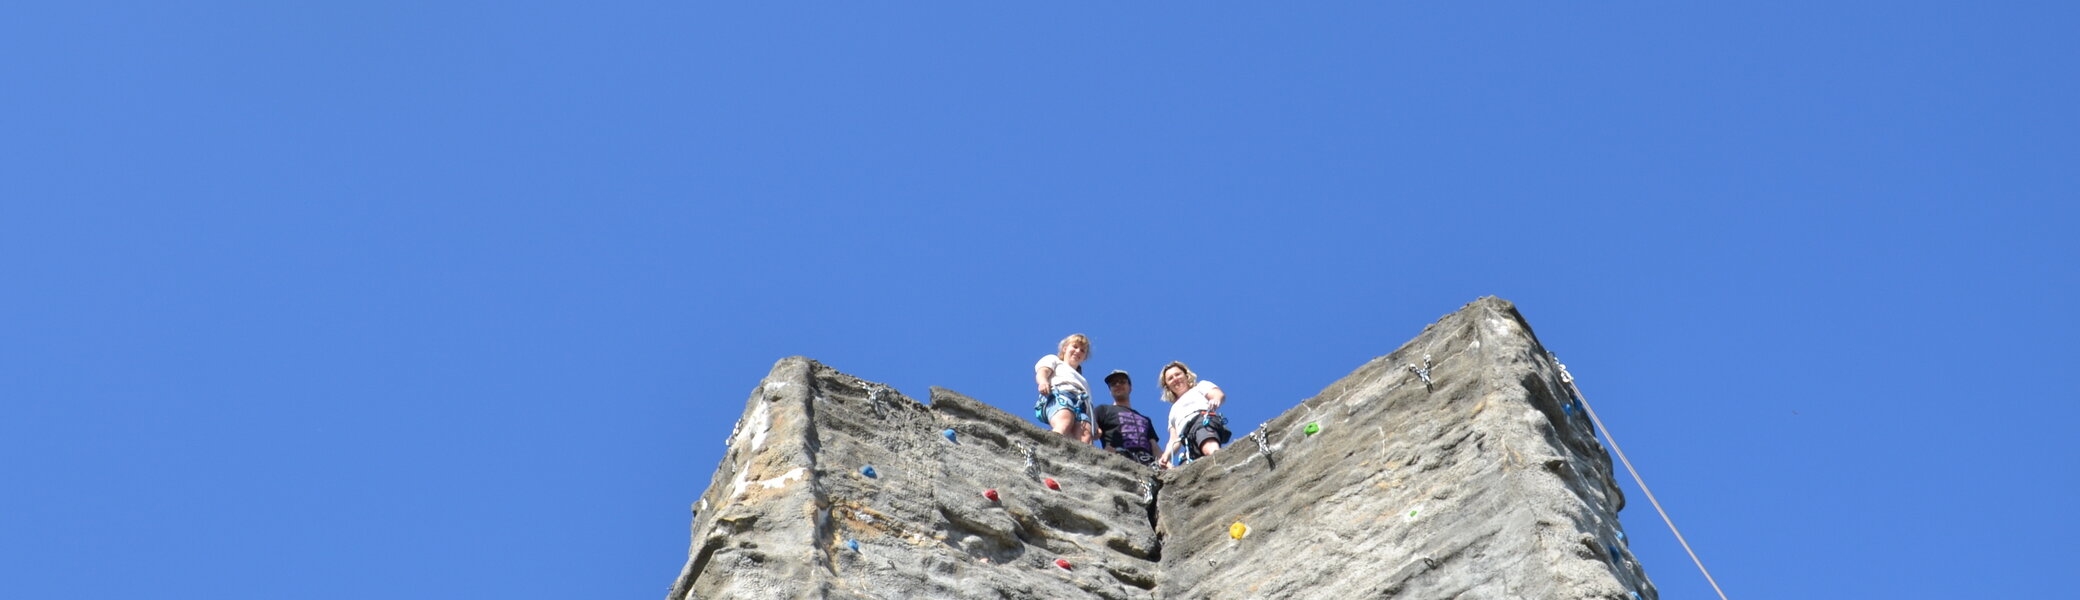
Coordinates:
(1196,427)
(1065,397)
(1127,431)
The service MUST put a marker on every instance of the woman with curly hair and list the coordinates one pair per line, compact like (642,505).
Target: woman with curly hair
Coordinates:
(1196,425)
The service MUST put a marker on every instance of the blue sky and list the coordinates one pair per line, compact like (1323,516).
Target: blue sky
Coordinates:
(460,299)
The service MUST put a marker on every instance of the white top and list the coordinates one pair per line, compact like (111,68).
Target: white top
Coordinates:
(1064,375)
(1193,401)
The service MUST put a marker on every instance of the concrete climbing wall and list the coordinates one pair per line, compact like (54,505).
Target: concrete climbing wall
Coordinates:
(1472,474)
(1459,466)
(793,512)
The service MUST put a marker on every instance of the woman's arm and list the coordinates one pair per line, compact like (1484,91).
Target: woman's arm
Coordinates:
(1214,396)
(1164,460)
(1042,374)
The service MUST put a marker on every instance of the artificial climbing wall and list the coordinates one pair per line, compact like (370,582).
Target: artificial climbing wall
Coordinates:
(1458,466)
(835,487)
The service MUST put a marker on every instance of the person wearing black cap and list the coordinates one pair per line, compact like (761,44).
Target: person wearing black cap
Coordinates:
(1126,430)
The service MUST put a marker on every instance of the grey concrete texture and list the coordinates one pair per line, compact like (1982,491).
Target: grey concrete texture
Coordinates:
(790,500)
(1486,481)
(1483,481)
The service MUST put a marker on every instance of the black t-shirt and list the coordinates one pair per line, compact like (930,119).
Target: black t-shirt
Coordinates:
(1118,425)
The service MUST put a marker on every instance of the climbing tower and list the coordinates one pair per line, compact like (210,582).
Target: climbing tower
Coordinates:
(1459,466)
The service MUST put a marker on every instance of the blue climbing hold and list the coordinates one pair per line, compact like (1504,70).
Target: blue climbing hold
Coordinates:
(1635,595)
(867,471)
(853,544)
(1568,408)
(1621,536)
(1613,549)
(949,436)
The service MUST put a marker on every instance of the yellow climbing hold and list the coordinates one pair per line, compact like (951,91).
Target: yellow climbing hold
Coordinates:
(1238,530)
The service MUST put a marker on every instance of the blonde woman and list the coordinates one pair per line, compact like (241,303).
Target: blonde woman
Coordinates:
(1196,425)
(1065,397)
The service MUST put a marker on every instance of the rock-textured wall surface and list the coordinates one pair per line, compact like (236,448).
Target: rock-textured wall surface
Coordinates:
(1458,466)
(794,512)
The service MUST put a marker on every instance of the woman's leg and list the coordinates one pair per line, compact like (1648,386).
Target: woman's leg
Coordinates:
(1062,419)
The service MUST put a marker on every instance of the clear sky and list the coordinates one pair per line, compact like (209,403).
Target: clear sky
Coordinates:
(459,299)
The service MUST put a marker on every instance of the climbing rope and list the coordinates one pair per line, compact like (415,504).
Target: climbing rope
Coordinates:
(1569,380)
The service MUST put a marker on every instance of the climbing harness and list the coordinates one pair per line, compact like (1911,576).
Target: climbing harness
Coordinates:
(1569,380)
(1077,402)
(1205,419)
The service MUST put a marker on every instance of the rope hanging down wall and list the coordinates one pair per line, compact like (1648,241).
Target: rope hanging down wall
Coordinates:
(1569,380)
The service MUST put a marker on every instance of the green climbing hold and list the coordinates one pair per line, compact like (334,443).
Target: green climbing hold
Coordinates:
(1313,428)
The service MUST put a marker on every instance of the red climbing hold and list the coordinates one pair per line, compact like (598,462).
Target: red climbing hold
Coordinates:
(990,494)
(1061,563)
(1051,484)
